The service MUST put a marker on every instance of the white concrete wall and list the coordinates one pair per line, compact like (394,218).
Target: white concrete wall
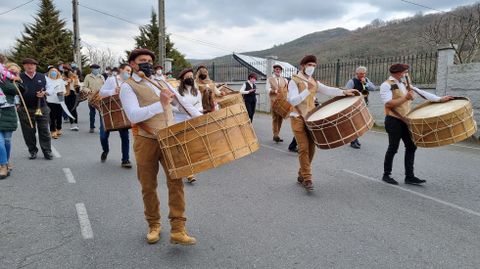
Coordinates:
(459,80)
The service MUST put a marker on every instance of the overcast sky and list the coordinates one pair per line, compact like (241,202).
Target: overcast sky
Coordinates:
(224,26)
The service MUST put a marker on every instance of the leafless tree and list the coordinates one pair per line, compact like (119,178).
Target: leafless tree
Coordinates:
(102,57)
(460,28)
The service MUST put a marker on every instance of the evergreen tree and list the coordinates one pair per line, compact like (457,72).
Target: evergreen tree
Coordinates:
(148,39)
(47,39)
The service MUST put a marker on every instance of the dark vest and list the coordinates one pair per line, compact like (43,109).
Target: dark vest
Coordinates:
(32,86)
(252,97)
(357,84)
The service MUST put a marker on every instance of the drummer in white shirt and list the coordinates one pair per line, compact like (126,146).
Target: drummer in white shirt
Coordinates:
(398,101)
(112,87)
(191,95)
(302,89)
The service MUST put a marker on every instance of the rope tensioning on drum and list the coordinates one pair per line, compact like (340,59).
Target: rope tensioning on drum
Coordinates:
(341,118)
(222,127)
(448,125)
(184,147)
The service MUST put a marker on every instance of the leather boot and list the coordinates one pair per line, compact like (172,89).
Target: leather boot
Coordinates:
(178,234)
(3,171)
(182,238)
(153,234)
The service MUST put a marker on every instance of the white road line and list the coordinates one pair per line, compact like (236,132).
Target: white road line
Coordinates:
(454,145)
(55,153)
(463,209)
(69,175)
(85,226)
(274,148)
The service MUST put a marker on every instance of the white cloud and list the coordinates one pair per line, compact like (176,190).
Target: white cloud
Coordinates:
(232,25)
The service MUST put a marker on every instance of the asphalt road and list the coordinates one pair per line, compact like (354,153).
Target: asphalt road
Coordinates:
(247,214)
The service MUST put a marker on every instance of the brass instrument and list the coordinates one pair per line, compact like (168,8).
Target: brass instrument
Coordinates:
(364,91)
(38,111)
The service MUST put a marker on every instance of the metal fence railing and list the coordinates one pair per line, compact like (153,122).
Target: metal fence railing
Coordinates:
(423,70)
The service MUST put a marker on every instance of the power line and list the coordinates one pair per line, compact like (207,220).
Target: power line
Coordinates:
(431,8)
(12,9)
(111,15)
(420,5)
(198,41)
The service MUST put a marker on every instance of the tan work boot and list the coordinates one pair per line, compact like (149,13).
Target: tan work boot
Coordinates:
(54,135)
(3,171)
(153,234)
(182,238)
(9,166)
(59,133)
(191,179)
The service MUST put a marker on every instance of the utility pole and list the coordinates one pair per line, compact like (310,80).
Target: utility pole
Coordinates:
(161,33)
(77,56)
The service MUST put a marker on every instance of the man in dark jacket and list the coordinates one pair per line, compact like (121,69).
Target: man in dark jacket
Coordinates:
(34,95)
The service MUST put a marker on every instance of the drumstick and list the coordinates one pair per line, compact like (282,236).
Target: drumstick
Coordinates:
(142,75)
(410,88)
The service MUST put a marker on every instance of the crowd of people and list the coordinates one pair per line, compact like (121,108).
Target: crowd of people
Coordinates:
(153,101)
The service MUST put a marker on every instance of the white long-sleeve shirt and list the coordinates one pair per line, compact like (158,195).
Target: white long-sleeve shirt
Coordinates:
(295,98)
(188,97)
(132,108)
(244,86)
(268,86)
(108,88)
(53,87)
(386,93)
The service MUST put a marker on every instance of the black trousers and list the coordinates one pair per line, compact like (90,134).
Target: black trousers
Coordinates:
(398,130)
(40,123)
(55,117)
(250,103)
(70,101)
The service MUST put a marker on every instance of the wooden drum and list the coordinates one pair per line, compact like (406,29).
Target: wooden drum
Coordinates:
(113,116)
(282,107)
(229,100)
(339,121)
(82,95)
(439,124)
(207,141)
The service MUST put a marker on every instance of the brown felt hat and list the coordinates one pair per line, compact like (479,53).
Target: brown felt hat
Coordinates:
(308,59)
(397,68)
(184,71)
(30,61)
(137,52)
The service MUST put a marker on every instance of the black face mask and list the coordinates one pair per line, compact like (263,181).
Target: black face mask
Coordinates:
(146,68)
(188,81)
(202,76)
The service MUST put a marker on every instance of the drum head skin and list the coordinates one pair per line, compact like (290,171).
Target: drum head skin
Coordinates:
(437,109)
(333,108)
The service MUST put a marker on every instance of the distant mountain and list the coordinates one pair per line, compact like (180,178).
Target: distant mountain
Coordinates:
(378,39)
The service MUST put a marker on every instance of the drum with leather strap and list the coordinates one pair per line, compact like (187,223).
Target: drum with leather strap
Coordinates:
(439,124)
(339,121)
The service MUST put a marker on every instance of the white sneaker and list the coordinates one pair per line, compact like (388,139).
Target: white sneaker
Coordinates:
(74,128)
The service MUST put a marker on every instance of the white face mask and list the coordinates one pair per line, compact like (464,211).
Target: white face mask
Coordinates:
(159,72)
(309,70)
